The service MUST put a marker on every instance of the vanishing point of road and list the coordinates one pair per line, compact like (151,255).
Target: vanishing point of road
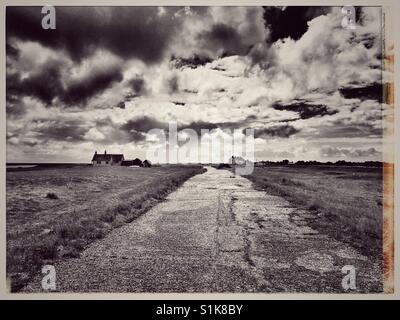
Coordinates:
(216,233)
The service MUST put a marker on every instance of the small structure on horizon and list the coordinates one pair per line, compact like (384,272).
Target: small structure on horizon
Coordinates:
(146,164)
(132,163)
(107,159)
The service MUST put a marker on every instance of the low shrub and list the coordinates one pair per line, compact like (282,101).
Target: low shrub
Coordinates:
(51,195)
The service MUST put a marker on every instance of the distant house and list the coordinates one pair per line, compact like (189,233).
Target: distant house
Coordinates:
(107,159)
(146,164)
(132,163)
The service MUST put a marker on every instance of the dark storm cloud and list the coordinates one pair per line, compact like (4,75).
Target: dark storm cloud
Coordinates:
(61,130)
(137,128)
(47,84)
(114,134)
(143,124)
(225,38)
(80,91)
(305,110)
(125,31)
(44,85)
(370,92)
(281,131)
(290,22)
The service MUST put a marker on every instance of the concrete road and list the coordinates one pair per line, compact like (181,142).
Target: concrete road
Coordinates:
(216,234)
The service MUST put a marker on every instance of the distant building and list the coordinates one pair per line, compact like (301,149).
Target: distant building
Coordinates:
(107,159)
(132,163)
(117,160)
(146,164)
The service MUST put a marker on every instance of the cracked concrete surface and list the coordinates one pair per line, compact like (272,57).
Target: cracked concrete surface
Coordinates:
(216,233)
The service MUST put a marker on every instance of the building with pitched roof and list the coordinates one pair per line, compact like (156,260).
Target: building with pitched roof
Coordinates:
(107,159)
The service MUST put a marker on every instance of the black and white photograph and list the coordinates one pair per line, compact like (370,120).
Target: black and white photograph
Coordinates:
(199,149)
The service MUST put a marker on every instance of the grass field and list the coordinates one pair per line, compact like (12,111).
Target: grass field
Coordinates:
(347,201)
(55,213)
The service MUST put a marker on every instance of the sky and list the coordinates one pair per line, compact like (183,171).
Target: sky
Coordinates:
(309,88)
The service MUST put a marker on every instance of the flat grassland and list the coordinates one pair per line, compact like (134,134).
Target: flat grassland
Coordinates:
(54,213)
(347,201)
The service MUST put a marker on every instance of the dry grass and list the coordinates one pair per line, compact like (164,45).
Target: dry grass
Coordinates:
(55,213)
(348,200)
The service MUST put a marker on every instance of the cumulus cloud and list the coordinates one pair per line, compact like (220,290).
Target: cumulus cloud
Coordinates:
(334,152)
(143,124)
(325,58)
(218,31)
